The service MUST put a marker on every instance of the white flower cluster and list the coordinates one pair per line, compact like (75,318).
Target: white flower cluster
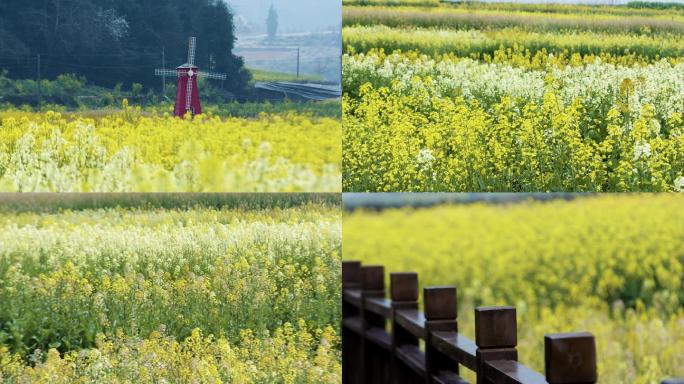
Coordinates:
(679,184)
(60,166)
(642,150)
(425,157)
(598,85)
(161,238)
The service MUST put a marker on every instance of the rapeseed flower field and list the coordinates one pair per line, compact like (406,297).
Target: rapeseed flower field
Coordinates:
(512,97)
(204,292)
(131,151)
(608,264)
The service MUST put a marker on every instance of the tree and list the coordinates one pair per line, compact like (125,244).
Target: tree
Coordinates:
(272,23)
(116,41)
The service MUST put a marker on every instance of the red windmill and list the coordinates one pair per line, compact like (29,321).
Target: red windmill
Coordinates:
(187,94)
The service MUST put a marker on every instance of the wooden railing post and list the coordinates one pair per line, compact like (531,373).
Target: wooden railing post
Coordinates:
(570,358)
(351,274)
(372,285)
(440,315)
(351,342)
(496,337)
(404,295)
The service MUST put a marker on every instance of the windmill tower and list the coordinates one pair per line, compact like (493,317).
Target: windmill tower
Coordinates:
(187,94)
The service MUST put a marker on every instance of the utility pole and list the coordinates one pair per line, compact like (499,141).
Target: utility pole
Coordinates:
(298,62)
(40,92)
(164,68)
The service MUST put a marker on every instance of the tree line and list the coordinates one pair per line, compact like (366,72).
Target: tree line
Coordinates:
(116,41)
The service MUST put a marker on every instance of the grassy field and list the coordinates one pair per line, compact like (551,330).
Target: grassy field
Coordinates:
(540,18)
(326,108)
(135,151)
(512,97)
(609,264)
(208,288)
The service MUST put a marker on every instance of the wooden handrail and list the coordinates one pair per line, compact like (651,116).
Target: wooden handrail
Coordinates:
(380,306)
(508,371)
(411,320)
(456,346)
(390,331)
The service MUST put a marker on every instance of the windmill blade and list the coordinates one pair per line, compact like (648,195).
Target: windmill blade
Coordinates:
(188,94)
(191,51)
(165,72)
(212,75)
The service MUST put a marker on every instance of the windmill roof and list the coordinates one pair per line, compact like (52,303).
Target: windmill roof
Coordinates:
(186,65)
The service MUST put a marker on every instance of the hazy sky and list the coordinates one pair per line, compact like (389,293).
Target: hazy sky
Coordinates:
(293,15)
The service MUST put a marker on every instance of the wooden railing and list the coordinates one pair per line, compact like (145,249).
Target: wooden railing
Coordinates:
(388,340)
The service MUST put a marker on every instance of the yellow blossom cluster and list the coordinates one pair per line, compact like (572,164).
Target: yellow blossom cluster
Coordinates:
(484,41)
(292,355)
(422,142)
(134,152)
